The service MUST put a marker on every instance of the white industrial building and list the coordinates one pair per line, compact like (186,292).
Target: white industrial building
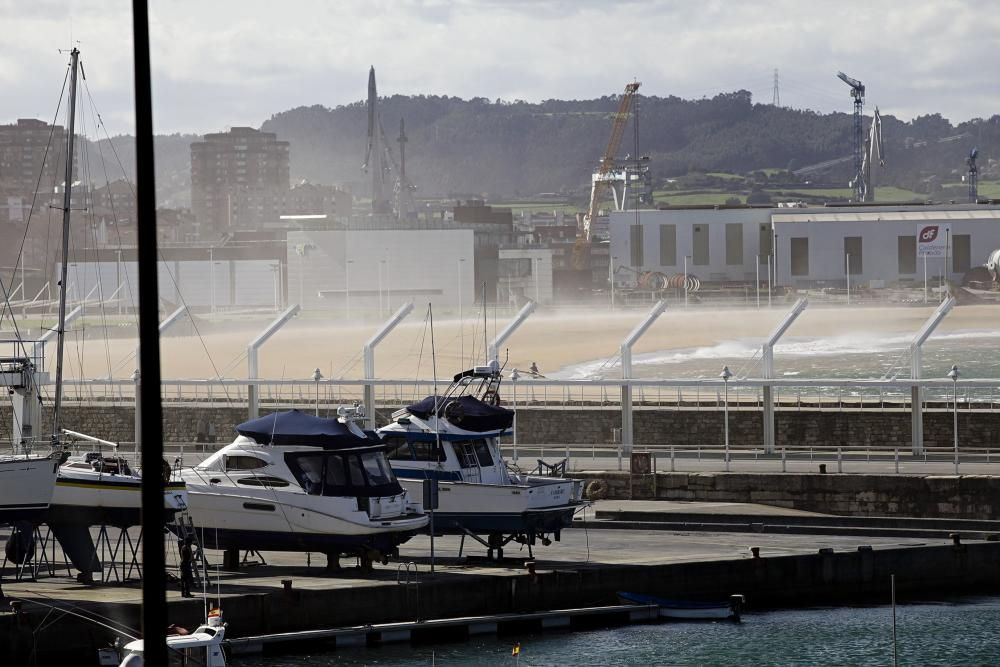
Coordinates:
(365,273)
(807,247)
(525,273)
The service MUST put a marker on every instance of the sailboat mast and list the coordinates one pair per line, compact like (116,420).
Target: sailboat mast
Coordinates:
(67,201)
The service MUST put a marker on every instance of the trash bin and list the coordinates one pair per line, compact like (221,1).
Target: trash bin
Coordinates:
(641,463)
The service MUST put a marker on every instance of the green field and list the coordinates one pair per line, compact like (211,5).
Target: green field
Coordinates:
(693,199)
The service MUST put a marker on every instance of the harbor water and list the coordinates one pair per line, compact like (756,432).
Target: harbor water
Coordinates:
(962,632)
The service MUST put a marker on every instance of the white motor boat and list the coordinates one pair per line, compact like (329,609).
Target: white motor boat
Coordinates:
(294,482)
(26,485)
(454,439)
(202,647)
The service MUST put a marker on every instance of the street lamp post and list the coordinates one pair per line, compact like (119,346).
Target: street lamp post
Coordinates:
(954,375)
(514,376)
(611,281)
(461,336)
(538,268)
(317,376)
(726,374)
(347,286)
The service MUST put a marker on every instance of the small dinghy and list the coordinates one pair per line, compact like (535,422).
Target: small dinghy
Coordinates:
(688,610)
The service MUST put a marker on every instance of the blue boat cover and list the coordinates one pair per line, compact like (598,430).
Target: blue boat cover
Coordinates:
(465,412)
(299,428)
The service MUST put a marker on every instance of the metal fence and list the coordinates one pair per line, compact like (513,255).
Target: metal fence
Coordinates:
(812,394)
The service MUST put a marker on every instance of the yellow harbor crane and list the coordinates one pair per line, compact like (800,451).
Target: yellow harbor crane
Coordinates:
(599,184)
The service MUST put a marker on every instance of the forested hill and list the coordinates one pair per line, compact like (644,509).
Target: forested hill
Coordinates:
(508,149)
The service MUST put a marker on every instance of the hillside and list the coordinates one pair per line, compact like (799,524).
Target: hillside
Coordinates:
(512,150)
(516,149)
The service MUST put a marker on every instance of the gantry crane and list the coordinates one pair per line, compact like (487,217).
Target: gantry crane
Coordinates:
(873,151)
(617,132)
(858,93)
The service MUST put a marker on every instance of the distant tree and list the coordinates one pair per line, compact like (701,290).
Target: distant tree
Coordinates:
(733,201)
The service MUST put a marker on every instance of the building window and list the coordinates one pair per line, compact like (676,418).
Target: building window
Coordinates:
(635,242)
(700,255)
(961,255)
(800,256)
(907,254)
(852,255)
(734,244)
(668,245)
(765,239)
(519,267)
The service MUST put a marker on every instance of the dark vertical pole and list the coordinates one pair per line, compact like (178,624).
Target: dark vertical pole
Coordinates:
(154,605)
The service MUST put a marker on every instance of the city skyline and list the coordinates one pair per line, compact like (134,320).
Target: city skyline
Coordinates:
(224,64)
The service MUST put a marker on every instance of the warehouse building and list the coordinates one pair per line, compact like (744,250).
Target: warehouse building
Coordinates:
(878,246)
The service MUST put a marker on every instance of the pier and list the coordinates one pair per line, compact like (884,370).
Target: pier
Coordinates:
(689,550)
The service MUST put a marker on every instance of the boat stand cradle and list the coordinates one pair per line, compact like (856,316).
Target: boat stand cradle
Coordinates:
(39,555)
(495,543)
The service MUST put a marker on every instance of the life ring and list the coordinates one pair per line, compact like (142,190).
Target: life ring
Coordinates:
(596,489)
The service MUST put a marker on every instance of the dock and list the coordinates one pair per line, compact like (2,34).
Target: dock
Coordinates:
(269,604)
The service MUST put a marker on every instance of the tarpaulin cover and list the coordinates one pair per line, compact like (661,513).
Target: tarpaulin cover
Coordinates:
(299,428)
(465,412)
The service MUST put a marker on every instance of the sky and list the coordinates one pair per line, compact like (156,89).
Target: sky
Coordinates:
(222,63)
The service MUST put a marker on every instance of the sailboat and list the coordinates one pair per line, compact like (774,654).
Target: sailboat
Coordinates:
(90,489)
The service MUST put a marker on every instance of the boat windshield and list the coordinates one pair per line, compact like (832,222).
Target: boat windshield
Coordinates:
(356,474)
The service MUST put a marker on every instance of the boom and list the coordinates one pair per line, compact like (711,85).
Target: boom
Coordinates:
(617,132)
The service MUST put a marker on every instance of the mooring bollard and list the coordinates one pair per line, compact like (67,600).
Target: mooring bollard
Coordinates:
(755,551)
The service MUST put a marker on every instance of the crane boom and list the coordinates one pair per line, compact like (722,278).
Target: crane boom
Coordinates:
(617,132)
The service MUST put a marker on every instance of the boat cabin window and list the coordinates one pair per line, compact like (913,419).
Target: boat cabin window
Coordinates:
(424,451)
(483,453)
(262,480)
(397,449)
(476,452)
(376,468)
(244,463)
(356,473)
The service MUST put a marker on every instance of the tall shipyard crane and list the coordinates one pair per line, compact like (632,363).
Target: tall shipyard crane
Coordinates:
(973,175)
(599,183)
(873,151)
(858,93)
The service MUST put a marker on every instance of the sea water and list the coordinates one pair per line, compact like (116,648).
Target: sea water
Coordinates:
(857,356)
(964,632)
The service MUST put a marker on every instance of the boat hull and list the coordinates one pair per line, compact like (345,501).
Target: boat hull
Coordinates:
(113,500)
(493,508)
(282,521)
(26,487)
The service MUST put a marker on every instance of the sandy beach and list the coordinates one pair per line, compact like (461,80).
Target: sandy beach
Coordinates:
(550,338)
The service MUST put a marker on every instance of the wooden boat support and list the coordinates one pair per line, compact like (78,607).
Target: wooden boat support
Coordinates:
(449,628)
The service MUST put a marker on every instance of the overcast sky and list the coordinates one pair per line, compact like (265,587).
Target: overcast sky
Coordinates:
(219,63)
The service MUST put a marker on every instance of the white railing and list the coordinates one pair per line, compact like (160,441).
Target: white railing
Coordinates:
(821,394)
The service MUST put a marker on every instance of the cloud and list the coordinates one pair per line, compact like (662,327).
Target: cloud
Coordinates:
(224,62)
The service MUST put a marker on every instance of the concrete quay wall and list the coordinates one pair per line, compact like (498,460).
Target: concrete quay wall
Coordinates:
(930,496)
(795,580)
(684,428)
